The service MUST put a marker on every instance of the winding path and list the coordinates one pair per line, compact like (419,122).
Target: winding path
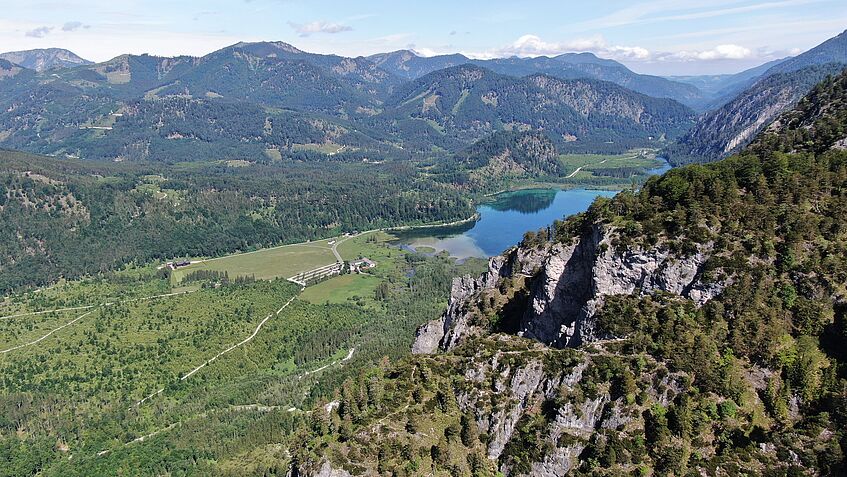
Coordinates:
(346,358)
(586,165)
(242,407)
(240,343)
(43,312)
(24,345)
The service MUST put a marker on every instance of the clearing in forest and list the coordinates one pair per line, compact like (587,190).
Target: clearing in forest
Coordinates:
(350,288)
(284,261)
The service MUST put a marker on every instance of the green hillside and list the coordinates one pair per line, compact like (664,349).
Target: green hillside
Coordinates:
(73,218)
(750,382)
(457,106)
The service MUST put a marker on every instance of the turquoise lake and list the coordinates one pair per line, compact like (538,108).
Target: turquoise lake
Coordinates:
(503,222)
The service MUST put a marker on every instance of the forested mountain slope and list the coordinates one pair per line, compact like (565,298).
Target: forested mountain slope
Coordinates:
(500,159)
(693,327)
(408,64)
(817,124)
(65,218)
(457,106)
(233,103)
(726,130)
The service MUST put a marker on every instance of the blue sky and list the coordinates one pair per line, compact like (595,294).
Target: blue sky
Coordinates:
(649,36)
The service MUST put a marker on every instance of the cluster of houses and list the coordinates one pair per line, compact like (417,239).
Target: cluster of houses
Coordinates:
(362,264)
(175,265)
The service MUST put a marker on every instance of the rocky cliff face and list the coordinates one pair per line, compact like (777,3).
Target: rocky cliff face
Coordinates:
(530,410)
(564,285)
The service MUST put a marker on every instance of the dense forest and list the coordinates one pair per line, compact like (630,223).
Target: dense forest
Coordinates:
(500,159)
(71,218)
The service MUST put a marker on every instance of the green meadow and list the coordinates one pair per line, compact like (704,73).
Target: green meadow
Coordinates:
(284,261)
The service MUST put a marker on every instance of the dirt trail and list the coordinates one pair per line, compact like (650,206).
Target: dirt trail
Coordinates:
(24,345)
(580,168)
(211,360)
(88,307)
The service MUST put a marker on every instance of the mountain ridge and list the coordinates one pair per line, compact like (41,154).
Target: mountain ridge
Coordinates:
(43,59)
(464,103)
(566,66)
(721,132)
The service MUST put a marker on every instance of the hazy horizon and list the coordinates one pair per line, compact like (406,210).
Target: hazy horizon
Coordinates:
(652,36)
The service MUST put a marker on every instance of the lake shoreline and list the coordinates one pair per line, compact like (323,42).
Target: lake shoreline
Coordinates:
(505,216)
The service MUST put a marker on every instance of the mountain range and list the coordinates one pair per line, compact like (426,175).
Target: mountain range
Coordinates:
(463,104)
(408,64)
(276,97)
(390,105)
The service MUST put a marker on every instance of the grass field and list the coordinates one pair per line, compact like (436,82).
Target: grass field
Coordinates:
(289,260)
(327,148)
(585,163)
(285,261)
(350,288)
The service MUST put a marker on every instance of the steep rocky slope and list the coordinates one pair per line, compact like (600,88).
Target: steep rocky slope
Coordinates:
(728,129)
(565,285)
(693,327)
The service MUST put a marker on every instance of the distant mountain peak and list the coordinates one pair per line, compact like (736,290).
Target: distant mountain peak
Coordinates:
(43,59)
(586,57)
(268,48)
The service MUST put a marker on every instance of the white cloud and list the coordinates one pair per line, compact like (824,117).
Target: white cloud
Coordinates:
(425,52)
(533,45)
(39,32)
(306,29)
(657,11)
(73,26)
(632,52)
(720,52)
(105,41)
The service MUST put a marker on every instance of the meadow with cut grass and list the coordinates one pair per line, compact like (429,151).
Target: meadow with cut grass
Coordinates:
(591,167)
(278,262)
(357,288)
